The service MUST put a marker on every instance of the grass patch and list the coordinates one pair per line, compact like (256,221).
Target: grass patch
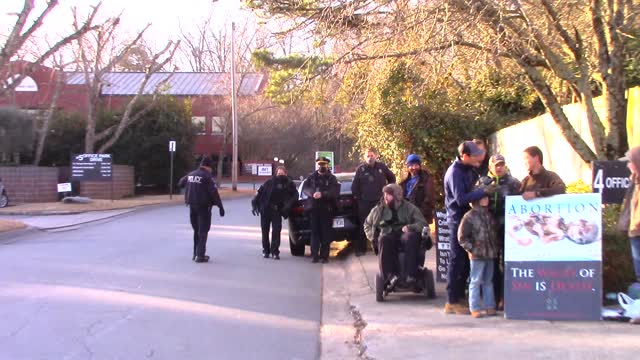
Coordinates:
(9,225)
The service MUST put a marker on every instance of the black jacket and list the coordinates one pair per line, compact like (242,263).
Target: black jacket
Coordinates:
(369,180)
(200,189)
(326,184)
(423,194)
(276,192)
(507,185)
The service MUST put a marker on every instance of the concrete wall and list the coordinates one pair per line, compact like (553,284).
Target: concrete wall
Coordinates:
(26,184)
(543,132)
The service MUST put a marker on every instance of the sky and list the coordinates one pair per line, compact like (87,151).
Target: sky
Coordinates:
(166,16)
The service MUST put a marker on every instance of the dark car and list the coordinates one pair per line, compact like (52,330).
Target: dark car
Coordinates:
(345,219)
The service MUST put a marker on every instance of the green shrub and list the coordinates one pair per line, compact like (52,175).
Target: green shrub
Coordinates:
(617,266)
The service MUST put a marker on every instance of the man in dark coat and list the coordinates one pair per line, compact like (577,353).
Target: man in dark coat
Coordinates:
(417,186)
(200,195)
(322,189)
(366,188)
(540,182)
(273,202)
(459,192)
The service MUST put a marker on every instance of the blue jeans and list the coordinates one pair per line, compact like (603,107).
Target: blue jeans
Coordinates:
(635,254)
(481,284)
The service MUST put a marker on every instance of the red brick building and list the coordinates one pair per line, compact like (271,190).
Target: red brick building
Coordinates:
(209,94)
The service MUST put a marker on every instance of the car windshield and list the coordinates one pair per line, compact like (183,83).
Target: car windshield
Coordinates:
(345,187)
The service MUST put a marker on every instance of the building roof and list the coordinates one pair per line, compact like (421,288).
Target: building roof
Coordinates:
(178,83)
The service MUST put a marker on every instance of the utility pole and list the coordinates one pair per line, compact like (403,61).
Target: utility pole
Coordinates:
(234,116)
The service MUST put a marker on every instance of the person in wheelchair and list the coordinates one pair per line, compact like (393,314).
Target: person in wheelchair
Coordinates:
(395,225)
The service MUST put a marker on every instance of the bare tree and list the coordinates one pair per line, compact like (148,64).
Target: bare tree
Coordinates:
(98,55)
(208,48)
(44,121)
(549,41)
(20,35)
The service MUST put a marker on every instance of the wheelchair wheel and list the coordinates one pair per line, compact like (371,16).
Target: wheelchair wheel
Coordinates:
(430,285)
(379,288)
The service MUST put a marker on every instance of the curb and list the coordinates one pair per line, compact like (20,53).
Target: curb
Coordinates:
(76,212)
(31,228)
(128,211)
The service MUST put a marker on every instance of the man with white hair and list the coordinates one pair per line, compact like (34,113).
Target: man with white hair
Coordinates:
(399,223)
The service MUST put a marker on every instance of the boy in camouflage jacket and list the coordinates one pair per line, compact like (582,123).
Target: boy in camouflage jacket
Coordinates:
(477,235)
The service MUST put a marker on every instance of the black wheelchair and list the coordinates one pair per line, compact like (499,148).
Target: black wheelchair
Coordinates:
(425,281)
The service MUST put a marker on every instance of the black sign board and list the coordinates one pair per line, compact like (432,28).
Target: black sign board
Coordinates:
(611,179)
(442,245)
(91,167)
(553,290)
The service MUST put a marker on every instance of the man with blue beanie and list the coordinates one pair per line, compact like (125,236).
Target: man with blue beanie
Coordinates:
(459,192)
(418,188)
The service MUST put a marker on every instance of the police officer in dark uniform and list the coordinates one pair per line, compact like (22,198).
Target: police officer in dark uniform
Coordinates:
(273,202)
(322,189)
(200,195)
(366,187)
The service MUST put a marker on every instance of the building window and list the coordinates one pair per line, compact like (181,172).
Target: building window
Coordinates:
(217,125)
(200,123)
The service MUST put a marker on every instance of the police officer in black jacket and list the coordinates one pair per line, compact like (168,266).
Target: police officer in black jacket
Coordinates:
(322,189)
(366,188)
(273,202)
(201,194)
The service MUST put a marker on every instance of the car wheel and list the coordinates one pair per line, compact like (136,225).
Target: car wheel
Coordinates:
(296,249)
(429,284)
(4,200)
(379,288)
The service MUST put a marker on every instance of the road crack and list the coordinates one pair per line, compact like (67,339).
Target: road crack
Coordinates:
(359,324)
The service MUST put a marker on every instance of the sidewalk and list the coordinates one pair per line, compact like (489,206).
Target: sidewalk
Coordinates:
(408,326)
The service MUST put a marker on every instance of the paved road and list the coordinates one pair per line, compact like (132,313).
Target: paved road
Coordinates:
(127,289)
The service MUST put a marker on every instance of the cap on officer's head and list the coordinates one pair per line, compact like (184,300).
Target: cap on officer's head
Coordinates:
(206,161)
(323,160)
(413,159)
(470,148)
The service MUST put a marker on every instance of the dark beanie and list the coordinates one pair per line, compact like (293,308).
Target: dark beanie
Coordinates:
(206,161)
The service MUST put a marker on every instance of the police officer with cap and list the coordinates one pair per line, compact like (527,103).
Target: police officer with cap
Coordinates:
(322,189)
(200,195)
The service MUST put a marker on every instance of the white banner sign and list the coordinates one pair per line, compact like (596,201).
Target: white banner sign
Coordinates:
(558,228)
(264,170)
(64,187)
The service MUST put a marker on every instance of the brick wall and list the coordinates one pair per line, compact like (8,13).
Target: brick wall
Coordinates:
(33,184)
(123,185)
(30,183)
